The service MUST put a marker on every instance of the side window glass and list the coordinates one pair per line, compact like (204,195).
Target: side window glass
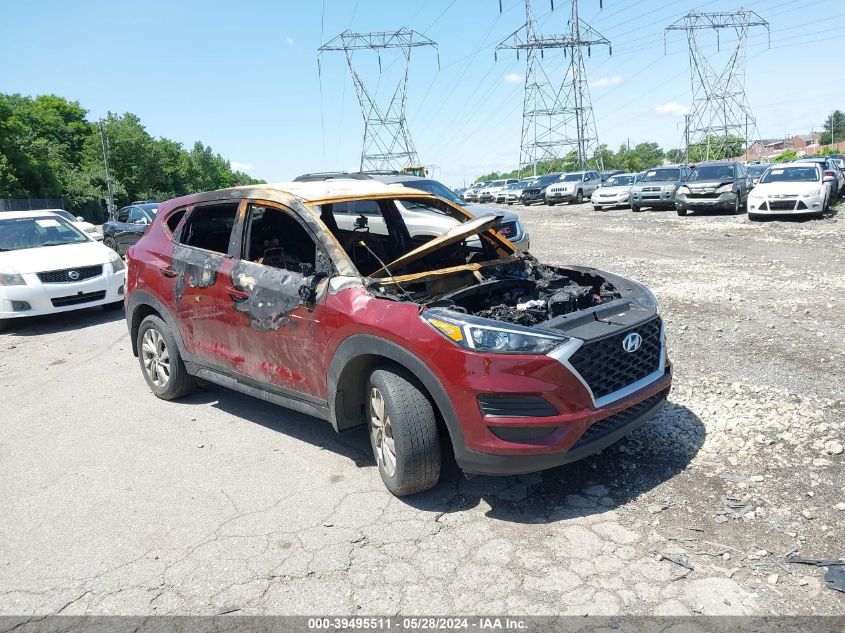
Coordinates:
(174,219)
(275,238)
(209,227)
(123,215)
(136,216)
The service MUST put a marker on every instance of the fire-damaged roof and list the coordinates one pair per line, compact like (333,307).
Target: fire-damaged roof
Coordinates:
(308,192)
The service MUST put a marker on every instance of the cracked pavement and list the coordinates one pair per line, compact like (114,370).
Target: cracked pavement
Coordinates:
(118,503)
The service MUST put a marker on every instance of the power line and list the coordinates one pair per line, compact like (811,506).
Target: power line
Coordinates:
(556,120)
(387,141)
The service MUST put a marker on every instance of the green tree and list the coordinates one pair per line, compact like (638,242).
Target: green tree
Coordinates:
(834,128)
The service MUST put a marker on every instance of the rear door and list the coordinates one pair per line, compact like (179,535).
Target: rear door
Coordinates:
(202,286)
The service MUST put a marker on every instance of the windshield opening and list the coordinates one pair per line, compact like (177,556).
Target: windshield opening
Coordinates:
(21,233)
(712,172)
(619,181)
(378,231)
(571,178)
(661,175)
(438,189)
(791,174)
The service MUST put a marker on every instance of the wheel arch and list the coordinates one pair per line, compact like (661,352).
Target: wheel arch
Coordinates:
(140,305)
(352,364)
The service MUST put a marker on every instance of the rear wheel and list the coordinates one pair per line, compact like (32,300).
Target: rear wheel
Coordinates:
(109,241)
(681,212)
(403,432)
(161,362)
(579,197)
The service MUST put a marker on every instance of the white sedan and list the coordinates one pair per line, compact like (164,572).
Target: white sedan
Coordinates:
(47,265)
(80,223)
(615,192)
(790,189)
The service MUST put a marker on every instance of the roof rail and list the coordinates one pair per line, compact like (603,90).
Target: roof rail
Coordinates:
(331,175)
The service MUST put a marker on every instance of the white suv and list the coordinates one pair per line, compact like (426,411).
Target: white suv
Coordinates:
(575,186)
(488,194)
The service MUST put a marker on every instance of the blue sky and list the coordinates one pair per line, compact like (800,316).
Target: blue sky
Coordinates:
(243,77)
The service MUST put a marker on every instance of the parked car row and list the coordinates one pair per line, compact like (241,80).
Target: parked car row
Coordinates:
(722,186)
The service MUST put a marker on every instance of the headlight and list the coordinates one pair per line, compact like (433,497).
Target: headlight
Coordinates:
(725,189)
(812,194)
(116,262)
(683,190)
(10,278)
(482,335)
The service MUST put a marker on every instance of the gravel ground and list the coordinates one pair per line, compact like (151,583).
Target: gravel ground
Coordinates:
(118,503)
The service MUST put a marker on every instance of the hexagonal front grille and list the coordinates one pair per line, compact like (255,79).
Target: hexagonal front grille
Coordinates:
(64,276)
(606,367)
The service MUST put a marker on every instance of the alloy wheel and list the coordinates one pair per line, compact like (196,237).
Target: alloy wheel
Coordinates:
(381,432)
(156,357)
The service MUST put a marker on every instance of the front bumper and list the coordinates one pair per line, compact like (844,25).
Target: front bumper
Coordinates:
(790,206)
(663,199)
(724,202)
(97,291)
(559,196)
(523,243)
(613,201)
(569,424)
(603,430)
(531,198)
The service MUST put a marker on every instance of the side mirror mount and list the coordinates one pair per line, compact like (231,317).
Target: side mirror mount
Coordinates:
(828,179)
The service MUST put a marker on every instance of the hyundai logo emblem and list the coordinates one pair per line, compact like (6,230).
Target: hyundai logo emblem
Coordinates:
(632,342)
(73,275)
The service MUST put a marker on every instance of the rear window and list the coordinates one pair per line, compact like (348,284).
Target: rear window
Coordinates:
(174,219)
(209,227)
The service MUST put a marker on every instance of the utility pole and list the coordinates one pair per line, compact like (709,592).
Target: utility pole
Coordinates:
(556,120)
(719,102)
(105,142)
(387,142)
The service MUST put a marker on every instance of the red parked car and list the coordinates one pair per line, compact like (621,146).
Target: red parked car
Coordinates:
(519,365)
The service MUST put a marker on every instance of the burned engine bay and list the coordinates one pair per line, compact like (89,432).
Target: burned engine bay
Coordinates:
(522,292)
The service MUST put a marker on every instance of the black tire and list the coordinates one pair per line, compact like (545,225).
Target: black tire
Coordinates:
(738,205)
(579,197)
(681,212)
(110,307)
(4,324)
(635,208)
(412,426)
(755,217)
(179,382)
(109,241)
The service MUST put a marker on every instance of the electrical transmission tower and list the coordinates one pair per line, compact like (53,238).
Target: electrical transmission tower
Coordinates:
(557,118)
(387,141)
(719,114)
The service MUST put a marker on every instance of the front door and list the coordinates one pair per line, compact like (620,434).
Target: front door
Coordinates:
(279,308)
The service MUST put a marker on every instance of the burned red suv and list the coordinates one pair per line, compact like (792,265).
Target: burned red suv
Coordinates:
(314,295)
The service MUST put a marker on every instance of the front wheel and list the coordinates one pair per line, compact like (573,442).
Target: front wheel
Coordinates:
(161,362)
(403,432)
(681,212)
(635,208)
(579,197)
(109,241)
(4,325)
(755,217)
(738,205)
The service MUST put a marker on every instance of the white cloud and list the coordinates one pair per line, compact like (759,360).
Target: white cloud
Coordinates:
(238,166)
(289,40)
(671,107)
(604,82)
(513,78)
